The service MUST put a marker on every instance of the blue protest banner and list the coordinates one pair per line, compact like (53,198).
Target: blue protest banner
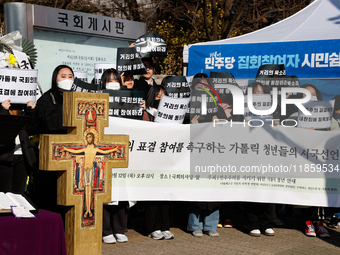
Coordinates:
(306,59)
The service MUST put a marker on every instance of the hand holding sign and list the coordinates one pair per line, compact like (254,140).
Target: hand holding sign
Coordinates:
(18,85)
(31,104)
(6,104)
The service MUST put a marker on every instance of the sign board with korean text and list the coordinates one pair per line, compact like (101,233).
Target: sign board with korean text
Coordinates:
(235,164)
(59,19)
(18,85)
(321,118)
(129,60)
(72,38)
(309,59)
(172,110)
(260,102)
(125,103)
(151,45)
(177,86)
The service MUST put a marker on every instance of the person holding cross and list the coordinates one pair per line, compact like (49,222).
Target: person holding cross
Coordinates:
(90,152)
(50,118)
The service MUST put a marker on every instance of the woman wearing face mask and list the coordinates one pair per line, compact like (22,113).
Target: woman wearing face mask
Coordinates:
(200,86)
(50,105)
(115,213)
(50,113)
(315,96)
(313,215)
(260,89)
(110,80)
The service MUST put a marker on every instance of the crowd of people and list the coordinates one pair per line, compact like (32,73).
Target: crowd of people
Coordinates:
(46,116)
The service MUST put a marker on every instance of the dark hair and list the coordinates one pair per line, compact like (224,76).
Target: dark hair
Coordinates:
(92,135)
(107,75)
(149,60)
(318,93)
(255,84)
(55,74)
(196,80)
(227,99)
(127,74)
(153,91)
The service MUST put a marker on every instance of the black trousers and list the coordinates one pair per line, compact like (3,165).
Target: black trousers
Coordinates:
(115,218)
(272,211)
(157,216)
(257,216)
(226,210)
(13,175)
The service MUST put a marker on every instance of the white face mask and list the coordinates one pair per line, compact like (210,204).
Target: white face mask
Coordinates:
(65,84)
(113,85)
(313,98)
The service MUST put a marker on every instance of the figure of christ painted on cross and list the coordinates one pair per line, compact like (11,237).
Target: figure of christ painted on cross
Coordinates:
(84,159)
(87,169)
(91,159)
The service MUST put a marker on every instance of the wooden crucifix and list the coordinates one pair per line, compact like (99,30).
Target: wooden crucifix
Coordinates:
(86,156)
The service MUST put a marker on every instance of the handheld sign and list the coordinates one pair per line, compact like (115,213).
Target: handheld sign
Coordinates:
(125,103)
(151,45)
(321,118)
(172,110)
(81,75)
(81,86)
(18,85)
(260,102)
(177,86)
(128,60)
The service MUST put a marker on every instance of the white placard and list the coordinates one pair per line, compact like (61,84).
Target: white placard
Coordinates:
(18,85)
(172,110)
(322,112)
(260,102)
(254,162)
(81,75)
(99,69)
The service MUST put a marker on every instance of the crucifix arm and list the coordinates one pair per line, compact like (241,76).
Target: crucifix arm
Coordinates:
(73,151)
(108,151)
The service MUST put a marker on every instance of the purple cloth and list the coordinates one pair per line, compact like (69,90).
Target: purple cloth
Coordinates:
(43,235)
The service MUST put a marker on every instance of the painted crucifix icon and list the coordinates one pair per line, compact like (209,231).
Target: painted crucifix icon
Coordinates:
(86,157)
(89,168)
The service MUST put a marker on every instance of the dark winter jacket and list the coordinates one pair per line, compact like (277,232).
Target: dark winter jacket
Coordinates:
(31,128)
(142,85)
(50,107)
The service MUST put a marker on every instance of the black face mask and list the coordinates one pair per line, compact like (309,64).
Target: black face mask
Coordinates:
(156,103)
